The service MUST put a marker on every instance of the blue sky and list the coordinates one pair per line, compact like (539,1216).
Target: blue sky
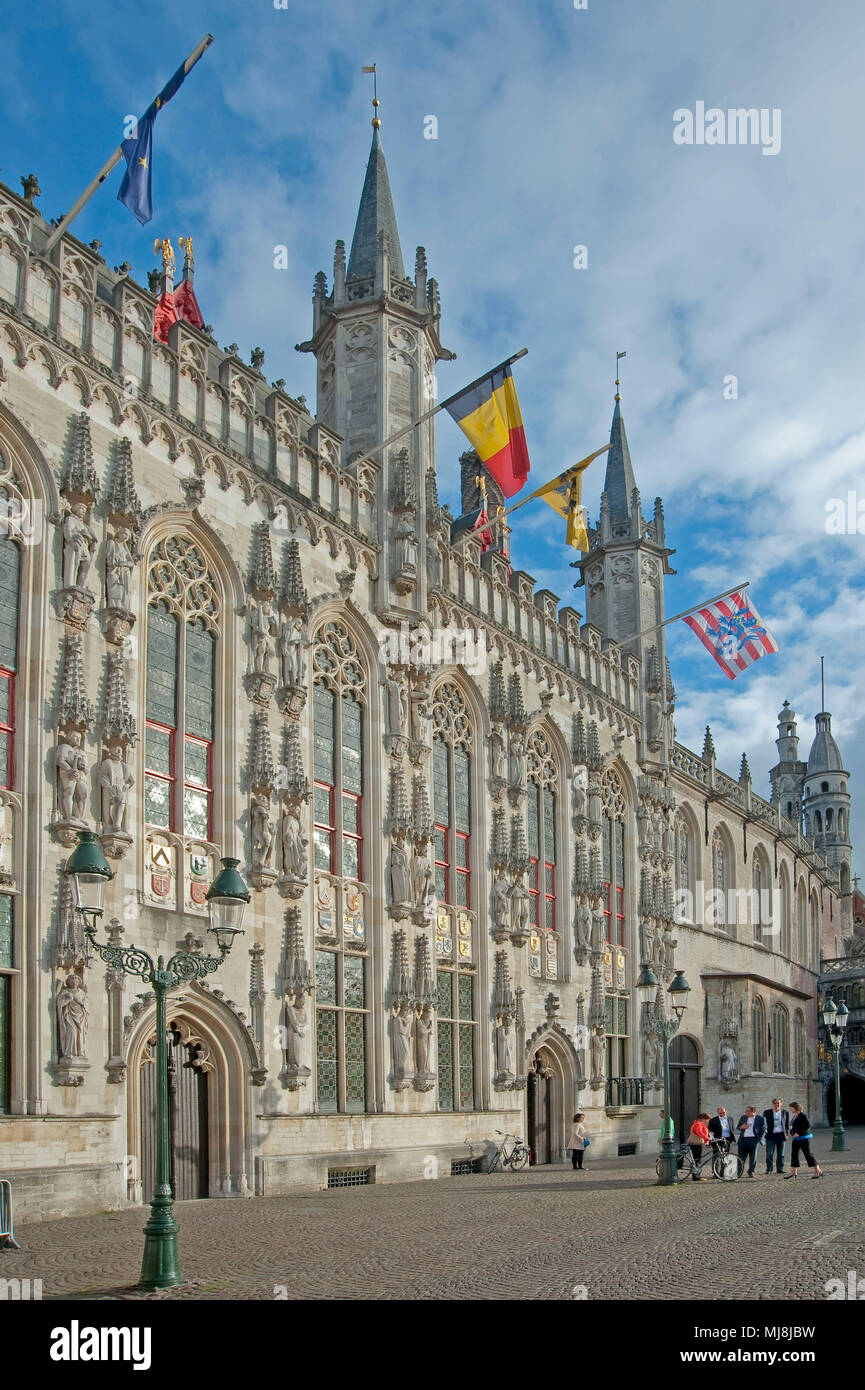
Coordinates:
(555,129)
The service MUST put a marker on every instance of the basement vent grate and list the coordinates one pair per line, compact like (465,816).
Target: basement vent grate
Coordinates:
(464,1166)
(626,1150)
(348,1177)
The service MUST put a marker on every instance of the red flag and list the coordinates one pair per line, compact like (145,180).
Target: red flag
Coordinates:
(164,317)
(733,632)
(482,526)
(187,305)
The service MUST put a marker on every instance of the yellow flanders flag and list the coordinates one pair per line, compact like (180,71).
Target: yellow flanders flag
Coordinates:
(563,494)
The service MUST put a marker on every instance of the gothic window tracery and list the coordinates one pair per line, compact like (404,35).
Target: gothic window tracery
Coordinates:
(542,791)
(10,576)
(339,702)
(758,1035)
(613,855)
(720,880)
(780,1040)
(453,743)
(182,627)
(800,1055)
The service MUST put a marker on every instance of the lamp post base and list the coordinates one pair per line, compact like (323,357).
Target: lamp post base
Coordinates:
(160,1264)
(838,1144)
(668,1173)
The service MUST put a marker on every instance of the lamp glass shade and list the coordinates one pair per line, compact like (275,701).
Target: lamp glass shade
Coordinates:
(679,992)
(227,897)
(828,1012)
(647,980)
(89,871)
(841,1015)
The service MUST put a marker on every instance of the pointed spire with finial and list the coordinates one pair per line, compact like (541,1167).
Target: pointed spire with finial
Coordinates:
(619,482)
(375,214)
(708,746)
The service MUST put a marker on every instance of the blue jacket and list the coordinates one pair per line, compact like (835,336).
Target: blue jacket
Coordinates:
(759,1126)
(769,1117)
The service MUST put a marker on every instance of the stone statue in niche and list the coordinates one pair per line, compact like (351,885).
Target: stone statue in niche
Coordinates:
(597,931)
(262,627)
(296,1028)
(291,651)
(71,778)
(504,1045)
(584,926)
(405,546)
(72,1017)
(729,1062)
(579,794)
(79,545)
(517,763)
(423,1039)
(669,948)
(433,563)
(118,569)
(658,949)
(498,757)
(294,844)
(419,722)
(598,1046)
(401,1022)
(421,880)
(519,907)
(501,906)
(262,829)
(400,885)
(647,943)
(397,706)
(115,779)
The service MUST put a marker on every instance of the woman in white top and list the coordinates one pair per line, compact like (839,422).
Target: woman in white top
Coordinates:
(577,1141)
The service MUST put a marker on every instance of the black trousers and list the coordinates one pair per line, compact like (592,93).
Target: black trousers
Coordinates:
(697,1151)
(748,1152)
(577,1158)
(803,1147)
(775,1149)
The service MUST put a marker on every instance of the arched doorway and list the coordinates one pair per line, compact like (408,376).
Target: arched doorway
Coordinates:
(188,1068)
(212,1059)
(852,1100)
(684,1083)
(539,1102)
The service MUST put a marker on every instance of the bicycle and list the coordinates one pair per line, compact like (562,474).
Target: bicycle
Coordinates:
(514,1158)
(718,1155)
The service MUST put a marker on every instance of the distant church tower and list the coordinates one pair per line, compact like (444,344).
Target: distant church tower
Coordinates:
(624,579)
(826,807)
(376,341)
(788,773)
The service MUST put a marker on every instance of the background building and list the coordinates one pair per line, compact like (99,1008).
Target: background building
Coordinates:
(215,614)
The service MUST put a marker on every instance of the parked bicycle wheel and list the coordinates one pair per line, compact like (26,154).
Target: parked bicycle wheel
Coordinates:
(683,1170)
(519,1158)
(719,1166)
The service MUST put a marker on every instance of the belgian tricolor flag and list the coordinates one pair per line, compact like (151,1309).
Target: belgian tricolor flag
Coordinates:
(488,413)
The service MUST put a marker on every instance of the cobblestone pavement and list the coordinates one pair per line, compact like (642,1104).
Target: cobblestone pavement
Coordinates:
(532,1235)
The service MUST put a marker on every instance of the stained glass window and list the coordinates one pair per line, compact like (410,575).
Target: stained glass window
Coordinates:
(6,963)
(541,831)
(780,1043)
(180,690)
(342,1014)
(719,880)
(457,1030)
(616,1027)
(758,1036)
(452,810)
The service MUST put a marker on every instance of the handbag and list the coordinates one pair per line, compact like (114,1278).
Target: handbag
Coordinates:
(585,1143)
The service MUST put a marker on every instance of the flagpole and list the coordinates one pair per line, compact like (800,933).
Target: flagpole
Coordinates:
(428,414)
(736,589)
(110,163)
(574,468)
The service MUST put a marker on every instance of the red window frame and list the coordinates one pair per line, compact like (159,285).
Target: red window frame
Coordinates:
(445,863)
(328,827)
(9,771)
(170,777)
(356,835)
(609,889)
(463,870)
(192,785)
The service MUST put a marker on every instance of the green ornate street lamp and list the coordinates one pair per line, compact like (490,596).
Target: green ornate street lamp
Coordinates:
(834,1020)
(664,1029)
(227,897)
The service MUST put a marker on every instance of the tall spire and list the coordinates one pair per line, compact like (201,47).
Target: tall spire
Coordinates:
(619,483)
(375,215)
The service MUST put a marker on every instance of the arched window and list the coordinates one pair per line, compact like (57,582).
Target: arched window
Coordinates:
(683,855)
(800,1054)
(182,626)
(779,1042)
(829,820)
(802,924)
(761,897)
(784,926)
(542,788)
(455,976)
(758,1035)
(818,822)
(10,576)
(613,856)
(341,984)
(720,880)
(815,932)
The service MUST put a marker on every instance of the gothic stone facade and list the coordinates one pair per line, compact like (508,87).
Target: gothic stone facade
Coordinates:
(456,873)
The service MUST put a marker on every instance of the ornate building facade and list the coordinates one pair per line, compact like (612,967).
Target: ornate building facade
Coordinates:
(221,632)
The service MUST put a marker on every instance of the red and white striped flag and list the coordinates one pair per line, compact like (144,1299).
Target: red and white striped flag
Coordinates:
(733,631)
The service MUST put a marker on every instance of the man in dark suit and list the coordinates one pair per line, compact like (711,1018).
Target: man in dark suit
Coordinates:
(751,1128)
(777,1133)
(721,1126)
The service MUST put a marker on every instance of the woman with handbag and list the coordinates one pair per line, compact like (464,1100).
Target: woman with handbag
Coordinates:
(578,1142)
(800,1130)
(698,1136)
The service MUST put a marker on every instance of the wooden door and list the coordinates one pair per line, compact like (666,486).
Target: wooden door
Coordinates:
(539,1137)
(187,1120)
(684,1084)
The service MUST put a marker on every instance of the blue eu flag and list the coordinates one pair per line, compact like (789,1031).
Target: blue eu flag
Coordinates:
(136,190)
